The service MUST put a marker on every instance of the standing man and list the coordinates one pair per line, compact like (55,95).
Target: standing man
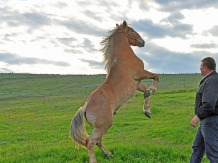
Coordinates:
(206,111)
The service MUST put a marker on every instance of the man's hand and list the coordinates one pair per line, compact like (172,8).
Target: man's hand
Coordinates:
(194,120)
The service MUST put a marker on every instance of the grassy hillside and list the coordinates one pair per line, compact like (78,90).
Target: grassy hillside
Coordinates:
(36,112)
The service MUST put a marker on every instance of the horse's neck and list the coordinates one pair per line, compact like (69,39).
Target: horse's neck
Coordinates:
(121,46)
(121,51)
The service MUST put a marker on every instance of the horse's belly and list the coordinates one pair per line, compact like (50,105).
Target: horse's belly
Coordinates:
(112,95)
(125,94)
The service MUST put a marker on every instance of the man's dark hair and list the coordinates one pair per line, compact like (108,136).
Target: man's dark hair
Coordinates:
(209,62)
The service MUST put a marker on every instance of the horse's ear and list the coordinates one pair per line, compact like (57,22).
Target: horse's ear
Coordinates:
(117,25)
(124,24)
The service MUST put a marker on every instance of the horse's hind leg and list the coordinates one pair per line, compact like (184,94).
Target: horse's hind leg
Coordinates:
(90,143)
(103,148)
(95,139)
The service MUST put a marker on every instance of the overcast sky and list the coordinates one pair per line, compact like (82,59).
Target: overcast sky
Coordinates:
(63,37)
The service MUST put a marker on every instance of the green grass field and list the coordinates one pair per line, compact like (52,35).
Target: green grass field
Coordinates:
(36,112)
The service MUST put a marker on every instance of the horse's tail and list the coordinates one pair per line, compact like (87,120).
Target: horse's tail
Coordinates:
(78,128)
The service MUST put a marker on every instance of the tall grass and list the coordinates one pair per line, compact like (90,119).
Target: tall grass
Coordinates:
(36,112)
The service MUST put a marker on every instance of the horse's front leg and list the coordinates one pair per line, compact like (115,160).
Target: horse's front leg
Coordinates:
(143,74)
(146,107)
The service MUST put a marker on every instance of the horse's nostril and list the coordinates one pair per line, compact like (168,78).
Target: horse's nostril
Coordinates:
(141,43)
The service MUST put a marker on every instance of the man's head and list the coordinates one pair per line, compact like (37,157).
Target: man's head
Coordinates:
(208,65)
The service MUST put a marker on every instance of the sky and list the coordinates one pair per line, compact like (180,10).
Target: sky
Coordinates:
(63,37)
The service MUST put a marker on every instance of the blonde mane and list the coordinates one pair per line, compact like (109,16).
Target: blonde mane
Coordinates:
(107,49)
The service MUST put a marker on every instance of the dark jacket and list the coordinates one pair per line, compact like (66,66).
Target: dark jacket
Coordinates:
(206,101)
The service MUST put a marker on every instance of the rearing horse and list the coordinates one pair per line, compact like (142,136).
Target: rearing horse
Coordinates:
(124,74)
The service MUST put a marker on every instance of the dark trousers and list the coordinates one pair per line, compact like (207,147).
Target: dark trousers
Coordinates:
(206,141)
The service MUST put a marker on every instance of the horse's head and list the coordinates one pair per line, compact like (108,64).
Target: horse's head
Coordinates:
(133,37)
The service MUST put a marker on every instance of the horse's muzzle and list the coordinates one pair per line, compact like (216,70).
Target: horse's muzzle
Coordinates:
(141,42)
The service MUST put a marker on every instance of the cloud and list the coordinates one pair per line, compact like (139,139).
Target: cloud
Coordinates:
(174,17)
(213,31)
(205,46)
(172,5)
(5,70)
(61,5)
(80,26)
(162,60)
(35,19)
(31,20)
(87,45)
(13,59)
(66,40)
(73,29)
(142,5)
(73,51)
(153,30)
(94,64)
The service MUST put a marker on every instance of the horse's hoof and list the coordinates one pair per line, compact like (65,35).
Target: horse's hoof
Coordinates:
(147,93)
(109,154)
(147,114)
